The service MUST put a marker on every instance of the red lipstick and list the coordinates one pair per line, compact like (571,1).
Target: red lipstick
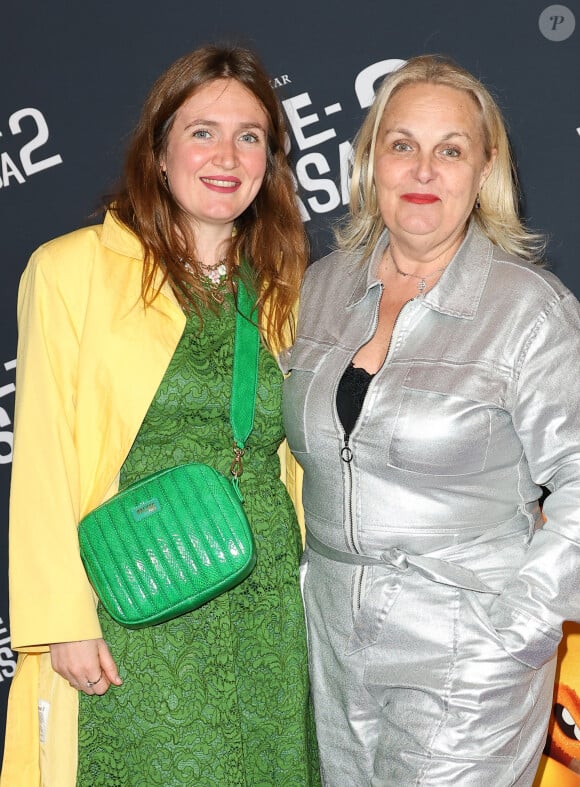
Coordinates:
(420,199)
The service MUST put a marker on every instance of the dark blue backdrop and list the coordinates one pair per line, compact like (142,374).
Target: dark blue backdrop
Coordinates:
(74,77)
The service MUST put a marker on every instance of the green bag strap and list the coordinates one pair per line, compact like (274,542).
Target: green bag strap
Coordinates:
(244,377)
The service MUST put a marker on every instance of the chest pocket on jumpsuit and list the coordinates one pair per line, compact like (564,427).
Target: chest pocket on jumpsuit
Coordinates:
(446,417)
(299,363)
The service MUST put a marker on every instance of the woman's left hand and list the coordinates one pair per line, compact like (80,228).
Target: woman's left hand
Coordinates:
(87,665)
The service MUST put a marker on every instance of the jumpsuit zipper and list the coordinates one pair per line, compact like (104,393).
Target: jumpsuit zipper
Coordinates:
(346,455)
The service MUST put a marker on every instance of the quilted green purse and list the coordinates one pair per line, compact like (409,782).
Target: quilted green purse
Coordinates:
(178,538)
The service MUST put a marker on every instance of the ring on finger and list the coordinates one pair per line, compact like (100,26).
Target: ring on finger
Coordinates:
(91,683)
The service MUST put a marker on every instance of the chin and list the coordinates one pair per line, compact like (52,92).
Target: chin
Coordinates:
(415,222)
(421,228)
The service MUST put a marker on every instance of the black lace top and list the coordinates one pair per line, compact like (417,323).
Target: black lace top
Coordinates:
(351,394)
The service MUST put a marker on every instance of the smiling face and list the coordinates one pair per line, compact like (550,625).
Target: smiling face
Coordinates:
(215,160)
(429,164)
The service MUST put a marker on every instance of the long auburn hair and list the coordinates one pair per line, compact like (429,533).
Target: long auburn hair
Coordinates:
(269,234)
(497,213)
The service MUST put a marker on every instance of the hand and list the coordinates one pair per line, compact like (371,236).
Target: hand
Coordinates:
(83,662)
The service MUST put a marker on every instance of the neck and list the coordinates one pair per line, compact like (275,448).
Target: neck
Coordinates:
(212,244)
(422,258)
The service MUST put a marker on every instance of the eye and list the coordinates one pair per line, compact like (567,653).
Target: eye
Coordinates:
(250,136)
(201,133)
(566,722)
(401,147)
(450,151)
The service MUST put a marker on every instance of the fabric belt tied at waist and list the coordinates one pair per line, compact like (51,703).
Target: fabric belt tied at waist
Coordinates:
(437,570)
(373,611)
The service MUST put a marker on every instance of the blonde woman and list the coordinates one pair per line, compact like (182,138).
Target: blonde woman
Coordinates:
(432,392)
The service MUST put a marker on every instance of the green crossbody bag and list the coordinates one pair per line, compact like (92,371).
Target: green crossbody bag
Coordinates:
(178,538)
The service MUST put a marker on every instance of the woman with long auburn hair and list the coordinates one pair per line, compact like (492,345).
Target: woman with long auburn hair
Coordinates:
(124,368)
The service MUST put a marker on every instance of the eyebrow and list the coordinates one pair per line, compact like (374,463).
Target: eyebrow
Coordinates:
(214,123)
(407,133)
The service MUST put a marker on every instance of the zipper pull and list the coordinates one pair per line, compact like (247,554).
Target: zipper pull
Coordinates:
(237,465)
(236,469)
(346,451)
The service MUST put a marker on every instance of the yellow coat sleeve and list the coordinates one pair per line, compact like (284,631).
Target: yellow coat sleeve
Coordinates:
(291,474)
(51,599)
(78,410)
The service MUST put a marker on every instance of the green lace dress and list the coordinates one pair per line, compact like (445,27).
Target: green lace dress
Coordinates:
(218,696)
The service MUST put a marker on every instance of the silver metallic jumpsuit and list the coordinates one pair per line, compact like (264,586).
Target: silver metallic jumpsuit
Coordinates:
(434,593)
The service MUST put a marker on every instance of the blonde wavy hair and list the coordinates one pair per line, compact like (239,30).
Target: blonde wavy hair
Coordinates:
(498,212)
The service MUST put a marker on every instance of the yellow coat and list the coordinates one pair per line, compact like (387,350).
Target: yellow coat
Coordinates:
(90,359)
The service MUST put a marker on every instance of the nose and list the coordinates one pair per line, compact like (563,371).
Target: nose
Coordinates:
(225,153)
(424,167)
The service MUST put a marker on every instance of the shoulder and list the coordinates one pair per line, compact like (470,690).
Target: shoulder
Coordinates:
(72,240)
(333,276)
(531,299)
(59,271)
(332,263)
(67,253)
(98,264)
(515,275)
(79,249)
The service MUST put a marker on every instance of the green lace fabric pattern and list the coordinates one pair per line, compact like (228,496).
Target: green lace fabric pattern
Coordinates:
(219,696)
